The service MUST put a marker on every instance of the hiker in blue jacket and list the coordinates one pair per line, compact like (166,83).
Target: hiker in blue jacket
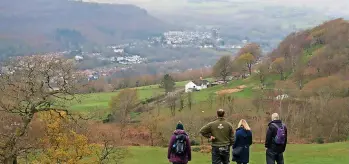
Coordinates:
(276,140)
(243,141)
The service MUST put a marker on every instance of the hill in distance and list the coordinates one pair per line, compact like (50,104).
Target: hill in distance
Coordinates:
(29,25)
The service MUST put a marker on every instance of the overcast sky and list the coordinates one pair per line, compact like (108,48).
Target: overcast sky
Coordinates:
(333,6)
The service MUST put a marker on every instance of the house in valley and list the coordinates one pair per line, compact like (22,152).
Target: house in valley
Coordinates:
(196,85)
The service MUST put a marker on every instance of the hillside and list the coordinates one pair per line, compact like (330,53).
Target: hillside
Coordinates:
(317,52)
(32,25)
(265,22)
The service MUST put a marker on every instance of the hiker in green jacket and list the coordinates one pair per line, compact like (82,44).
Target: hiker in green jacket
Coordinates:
(221,134)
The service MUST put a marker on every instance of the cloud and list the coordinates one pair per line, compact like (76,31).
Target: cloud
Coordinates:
(340,7)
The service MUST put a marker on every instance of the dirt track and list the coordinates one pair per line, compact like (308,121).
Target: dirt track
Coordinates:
(233,90)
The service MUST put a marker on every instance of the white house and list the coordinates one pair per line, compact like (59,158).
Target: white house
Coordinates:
(79,58)
(196,85)
(119,50)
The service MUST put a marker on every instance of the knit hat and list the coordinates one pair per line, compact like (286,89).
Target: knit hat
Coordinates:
(180,126)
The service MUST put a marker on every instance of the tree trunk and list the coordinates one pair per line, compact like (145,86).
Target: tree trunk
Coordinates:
(10,152)
(280,108)
(249,68)
(10,160)
(300,85)
(151,138)
(225,80)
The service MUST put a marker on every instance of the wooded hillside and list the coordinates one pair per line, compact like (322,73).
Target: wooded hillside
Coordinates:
(46,25)
(318,52)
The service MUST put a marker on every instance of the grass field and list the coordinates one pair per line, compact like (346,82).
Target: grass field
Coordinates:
(97,101)
(296,154)
(101,100)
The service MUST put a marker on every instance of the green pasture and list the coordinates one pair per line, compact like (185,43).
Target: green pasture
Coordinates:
(295,154)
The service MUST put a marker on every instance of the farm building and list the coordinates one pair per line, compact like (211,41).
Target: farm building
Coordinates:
(196,85)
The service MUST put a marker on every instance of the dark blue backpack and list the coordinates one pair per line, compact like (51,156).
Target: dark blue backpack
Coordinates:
(179,145)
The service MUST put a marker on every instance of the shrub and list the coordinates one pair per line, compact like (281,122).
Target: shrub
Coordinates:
(205,149)
(109,119)
(196,149)
(319,140)
(194,143)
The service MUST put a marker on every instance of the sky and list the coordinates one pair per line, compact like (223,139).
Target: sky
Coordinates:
(338,7)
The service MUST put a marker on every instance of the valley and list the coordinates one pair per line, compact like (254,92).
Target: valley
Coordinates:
(103,82)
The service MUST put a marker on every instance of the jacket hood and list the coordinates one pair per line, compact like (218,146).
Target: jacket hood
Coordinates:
(178,131)
(276,122)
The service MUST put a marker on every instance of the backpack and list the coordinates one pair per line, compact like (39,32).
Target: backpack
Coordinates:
(179,145)
(280,137)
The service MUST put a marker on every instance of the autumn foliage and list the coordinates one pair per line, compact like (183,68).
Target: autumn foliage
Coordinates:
(61,144)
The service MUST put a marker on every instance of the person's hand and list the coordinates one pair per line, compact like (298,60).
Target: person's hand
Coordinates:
(266,148)
(212,138)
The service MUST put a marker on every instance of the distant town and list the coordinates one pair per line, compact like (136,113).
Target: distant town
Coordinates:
(172,39)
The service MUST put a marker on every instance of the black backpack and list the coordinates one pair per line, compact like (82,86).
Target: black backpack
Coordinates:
(179,145)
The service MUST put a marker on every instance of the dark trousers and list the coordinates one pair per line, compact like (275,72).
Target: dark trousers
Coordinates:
(273,157)
(240,163)
(178,163)
(220,155)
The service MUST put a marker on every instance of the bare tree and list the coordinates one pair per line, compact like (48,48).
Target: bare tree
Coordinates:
(262,73)
(151,122)
(210,100)
(231,104)
(279,66)
(171,102)
(190,100)
(299,77)
(29,85)
(223,68)
(109,152)
(122,105)
(181,103)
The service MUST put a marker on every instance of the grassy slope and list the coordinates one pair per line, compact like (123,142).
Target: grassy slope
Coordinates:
(295,154)
(310,52)
(101,100)
(247,92)
(96,101)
